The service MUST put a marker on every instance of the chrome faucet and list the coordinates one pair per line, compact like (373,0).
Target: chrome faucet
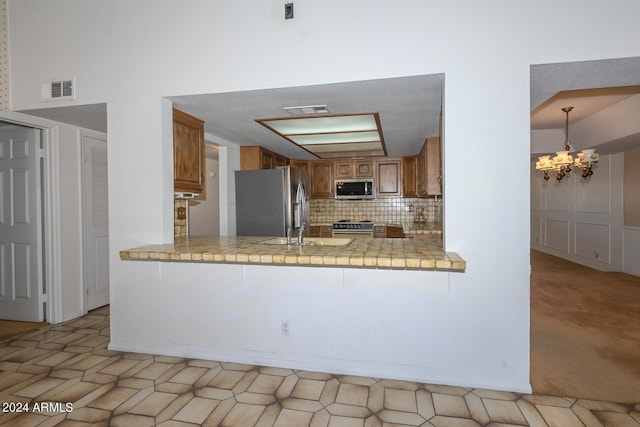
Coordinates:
(289,231)
(300,234)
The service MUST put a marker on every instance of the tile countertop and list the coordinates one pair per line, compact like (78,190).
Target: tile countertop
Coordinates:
(409,254)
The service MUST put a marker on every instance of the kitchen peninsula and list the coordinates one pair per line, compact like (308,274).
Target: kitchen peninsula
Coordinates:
(350,309)
(410,254)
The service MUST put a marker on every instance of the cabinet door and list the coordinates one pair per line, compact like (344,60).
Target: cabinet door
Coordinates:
(300,164)
(388,178)
(343,169)
(363,168)
(327,231)
(315,231)
(188,152)
(249,157)
(410,176)
(434,167)
(395,232)
(321,179)
(266,159)
(421,172)
(280,161)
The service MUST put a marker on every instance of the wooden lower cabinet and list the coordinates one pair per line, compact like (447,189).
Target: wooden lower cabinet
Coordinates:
(394,231)
(321,231)
(390,231)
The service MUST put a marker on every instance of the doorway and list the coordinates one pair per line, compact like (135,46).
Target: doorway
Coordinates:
(204,212)
(96,220)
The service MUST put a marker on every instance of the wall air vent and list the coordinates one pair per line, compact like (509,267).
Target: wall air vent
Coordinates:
(58,90)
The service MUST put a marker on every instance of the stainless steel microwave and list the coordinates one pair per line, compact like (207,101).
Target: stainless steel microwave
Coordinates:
(354,189)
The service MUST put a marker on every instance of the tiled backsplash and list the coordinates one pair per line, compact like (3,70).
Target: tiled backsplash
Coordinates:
(395,210)
(179,225)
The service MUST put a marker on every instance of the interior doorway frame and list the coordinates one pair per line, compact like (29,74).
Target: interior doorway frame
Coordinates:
(51,216)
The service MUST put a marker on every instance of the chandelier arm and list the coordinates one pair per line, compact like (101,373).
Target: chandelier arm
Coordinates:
(567,145)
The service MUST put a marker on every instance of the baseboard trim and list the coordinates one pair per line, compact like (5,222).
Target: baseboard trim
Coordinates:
(335,366)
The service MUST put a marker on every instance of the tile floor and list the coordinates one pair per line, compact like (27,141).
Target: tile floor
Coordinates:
(67,376)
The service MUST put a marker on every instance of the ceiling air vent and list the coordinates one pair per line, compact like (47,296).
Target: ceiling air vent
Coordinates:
(58,90)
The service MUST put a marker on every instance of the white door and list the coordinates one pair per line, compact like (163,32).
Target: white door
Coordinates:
(96,222)
(21,282)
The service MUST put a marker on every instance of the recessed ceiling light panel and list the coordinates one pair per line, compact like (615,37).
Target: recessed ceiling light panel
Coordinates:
(332,136)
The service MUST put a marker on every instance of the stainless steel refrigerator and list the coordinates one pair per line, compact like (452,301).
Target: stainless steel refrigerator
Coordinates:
(270,201)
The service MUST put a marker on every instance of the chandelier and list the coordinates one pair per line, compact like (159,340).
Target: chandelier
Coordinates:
(563,160)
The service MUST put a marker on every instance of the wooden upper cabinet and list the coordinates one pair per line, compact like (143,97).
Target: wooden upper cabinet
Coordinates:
(344,169)
(430,168)
(188,153)
(434,167)
(254,157)
(279,160)
(300,164)
(322,180)
(388,178)
(266,159)
(353,169)
(363,168)
(410,176)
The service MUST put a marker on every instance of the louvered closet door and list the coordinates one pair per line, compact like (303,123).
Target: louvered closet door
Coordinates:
(96,222)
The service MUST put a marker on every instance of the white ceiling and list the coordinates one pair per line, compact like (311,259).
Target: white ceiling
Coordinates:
(409,110)
(409,107)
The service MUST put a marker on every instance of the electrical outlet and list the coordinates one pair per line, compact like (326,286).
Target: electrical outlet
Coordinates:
(284,327)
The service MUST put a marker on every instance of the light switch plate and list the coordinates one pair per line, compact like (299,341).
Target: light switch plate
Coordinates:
(288,11)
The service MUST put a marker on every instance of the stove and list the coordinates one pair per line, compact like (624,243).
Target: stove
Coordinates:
(344,226)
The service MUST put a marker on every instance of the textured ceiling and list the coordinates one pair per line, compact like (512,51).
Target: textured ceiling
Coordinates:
(409,110)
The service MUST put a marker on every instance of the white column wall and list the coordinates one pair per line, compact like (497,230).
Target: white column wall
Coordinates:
(130,55)
(71,223)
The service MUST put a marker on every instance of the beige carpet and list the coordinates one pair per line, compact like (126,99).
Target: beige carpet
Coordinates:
(585,331)
(10,329)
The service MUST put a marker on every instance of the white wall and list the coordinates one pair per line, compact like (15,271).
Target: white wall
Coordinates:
(130,55)
(71,222)
(204,213)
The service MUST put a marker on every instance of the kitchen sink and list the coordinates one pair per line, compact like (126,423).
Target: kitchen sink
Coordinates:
(316,241)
